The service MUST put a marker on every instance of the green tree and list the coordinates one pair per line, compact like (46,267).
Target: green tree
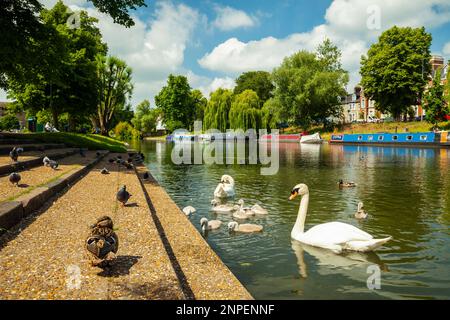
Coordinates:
(217,109)
(142,109)
(394,72)
(67,80)
(447,90)
(200,103)
(434,101)
(9,122)
(271,114)
(258,81)
(114,90)
(176,104)
(308,86)
(24,35)
(245,112)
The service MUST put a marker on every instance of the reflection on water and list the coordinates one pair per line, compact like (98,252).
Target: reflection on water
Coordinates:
(405,190)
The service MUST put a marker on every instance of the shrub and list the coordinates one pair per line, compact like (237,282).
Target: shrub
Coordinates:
(125,131)
(9,122)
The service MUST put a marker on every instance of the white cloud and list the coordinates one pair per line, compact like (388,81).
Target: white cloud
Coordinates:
(446,49)
(346,26)
(229,19)
(207,85)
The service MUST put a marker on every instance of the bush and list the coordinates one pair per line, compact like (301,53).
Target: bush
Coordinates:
(9,122)
(125,131)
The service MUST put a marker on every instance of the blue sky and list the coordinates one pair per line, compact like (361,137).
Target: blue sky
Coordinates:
(213,41)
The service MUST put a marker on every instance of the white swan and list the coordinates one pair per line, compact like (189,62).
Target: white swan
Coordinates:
(243,212)
(189,210)
(225,189)
(361,214)
(222,208)
(244,228)
(209,225)
(257,209)
(336,236)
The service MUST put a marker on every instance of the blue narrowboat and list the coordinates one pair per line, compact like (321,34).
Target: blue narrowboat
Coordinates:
(406,138)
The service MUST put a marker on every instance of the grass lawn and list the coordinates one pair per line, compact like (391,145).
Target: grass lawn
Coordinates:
(90,141)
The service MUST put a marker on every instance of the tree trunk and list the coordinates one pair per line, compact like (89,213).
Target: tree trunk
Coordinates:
(55,119)
(72,123)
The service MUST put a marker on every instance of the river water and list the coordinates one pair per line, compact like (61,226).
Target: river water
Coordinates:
(406,192)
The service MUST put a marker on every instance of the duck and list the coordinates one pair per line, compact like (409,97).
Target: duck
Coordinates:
(102,243)
(223,208)
(123,195)
(189,210)
(209,225)
(244,228)
(361,214)
(225,189)
(14,178)
(335,236)
(348,184)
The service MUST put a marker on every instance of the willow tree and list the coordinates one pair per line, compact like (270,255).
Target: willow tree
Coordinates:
(114,90)
(245,112)
(217,109)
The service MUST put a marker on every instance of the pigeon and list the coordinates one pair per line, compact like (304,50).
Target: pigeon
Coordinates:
(104,171)
(130,160)
(14,178)
(142,155)
(46,161)
(98,154)
(146,176)
(129,166)
(14,154)
(102,243)
(119,157)
(111,160)
(82,153)
(53,164)
(123,195)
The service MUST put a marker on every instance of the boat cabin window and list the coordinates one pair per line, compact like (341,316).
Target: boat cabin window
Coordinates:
(370,138)
(409,138)
(423,138)
(380,138)
(359,138)
(394,138)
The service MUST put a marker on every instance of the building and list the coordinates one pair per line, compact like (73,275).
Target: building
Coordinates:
(357,107)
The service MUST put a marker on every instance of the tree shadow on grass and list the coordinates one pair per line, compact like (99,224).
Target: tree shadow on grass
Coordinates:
(120,267)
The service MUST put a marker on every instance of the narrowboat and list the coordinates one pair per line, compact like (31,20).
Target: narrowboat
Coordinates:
(405,138)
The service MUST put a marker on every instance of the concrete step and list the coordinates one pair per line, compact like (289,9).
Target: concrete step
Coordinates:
(6,148)
(34,195)
(8,141)
(32,159)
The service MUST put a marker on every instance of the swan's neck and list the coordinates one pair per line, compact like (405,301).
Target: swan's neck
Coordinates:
(301,217)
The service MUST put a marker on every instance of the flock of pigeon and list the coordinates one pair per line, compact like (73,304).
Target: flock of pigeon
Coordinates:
(239,212)
(102,243)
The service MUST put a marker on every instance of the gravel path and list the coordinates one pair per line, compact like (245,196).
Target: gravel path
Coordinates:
(37,176)
(5,159)
(43,260)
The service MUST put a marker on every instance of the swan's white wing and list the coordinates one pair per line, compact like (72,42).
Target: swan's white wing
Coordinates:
(335,233)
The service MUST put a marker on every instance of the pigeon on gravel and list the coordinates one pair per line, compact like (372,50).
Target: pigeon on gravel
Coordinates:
(146,176)
(98,154)
(82,153)
(46,161)
(130,160)
(104,171)
(14,154)
(111,160)
(123,195)
(53,164)
(102,243)
(14,178)
(119,157)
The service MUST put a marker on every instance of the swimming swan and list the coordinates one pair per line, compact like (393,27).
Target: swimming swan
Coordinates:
(255,209)
(209,225)
(225,189)
(223,208)
(361,214)
(189,210)
(243,212)
(336,236)
(244,228)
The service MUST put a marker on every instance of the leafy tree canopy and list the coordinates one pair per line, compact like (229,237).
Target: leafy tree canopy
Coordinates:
(434,101)
(258,81)
(394,72)
(245,112)
(217,109)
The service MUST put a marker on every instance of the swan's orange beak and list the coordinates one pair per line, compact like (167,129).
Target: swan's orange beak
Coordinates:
(293,195)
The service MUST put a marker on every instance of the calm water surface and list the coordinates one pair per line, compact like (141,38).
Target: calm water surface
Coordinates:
(405,190)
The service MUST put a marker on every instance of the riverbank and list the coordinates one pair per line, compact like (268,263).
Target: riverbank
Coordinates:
(387,127)
(89,141)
